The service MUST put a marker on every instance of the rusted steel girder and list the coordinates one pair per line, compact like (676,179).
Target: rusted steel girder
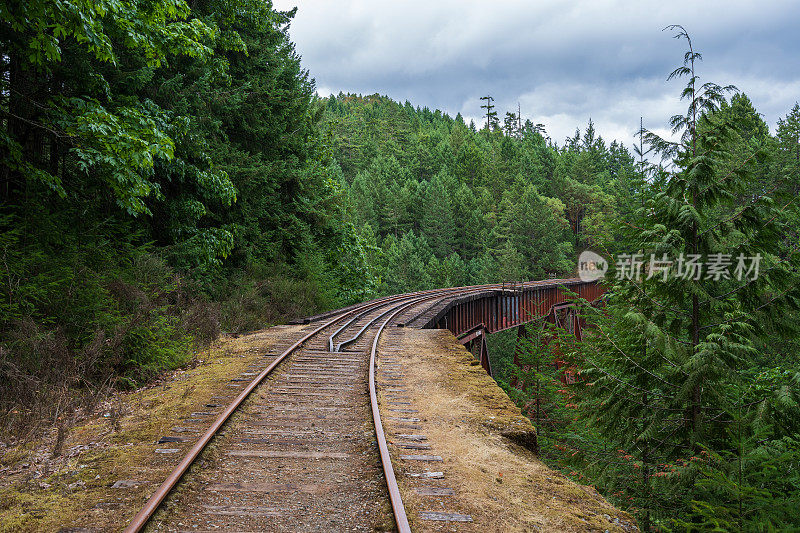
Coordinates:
(509,307)
(472,317)
(476,337)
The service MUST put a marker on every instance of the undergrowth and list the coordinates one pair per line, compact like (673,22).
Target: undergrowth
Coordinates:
(118,322)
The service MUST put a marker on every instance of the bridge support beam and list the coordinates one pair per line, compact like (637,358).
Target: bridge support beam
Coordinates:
(484,355)
(475,340)
(473,316)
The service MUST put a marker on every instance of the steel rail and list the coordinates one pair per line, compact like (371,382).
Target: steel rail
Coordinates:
(380,302)
(366,326)
(399,510)
(439,293)
(145,513)
(141,518)
(346,324)
(386,459)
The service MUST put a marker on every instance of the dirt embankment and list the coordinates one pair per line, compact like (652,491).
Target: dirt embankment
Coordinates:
(468,421)
(112,462)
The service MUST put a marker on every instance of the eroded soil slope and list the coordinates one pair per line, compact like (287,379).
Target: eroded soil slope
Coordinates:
(454,411)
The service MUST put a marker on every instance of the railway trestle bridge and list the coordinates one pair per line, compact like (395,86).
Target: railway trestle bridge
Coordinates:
(300,455)
(471,317)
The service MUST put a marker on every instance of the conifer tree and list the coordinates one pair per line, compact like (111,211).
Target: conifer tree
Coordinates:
(788,138)
(511,125)
(670,347)
(491,115)
(437,218)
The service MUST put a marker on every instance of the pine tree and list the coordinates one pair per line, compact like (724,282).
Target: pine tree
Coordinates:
(535,232)
(511,125)
(788,138)
(536,382)
(492,121)
(406,263)
(437,223)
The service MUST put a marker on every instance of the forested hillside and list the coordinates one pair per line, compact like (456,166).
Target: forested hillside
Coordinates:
(445,204)
(163,177)
(686,407)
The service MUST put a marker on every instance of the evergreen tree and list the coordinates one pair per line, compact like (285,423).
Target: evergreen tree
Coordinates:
(788,139)
(437,223)
(511,125)
(156,156)
(492,121)
(673,346)
(535,232)
(470,163)
(406,264)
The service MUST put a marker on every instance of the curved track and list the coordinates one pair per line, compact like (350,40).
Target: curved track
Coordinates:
(319,373)
(293,450)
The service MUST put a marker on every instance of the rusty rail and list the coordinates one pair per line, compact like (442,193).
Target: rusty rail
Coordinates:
(386,460)
(146,512)
(143,516)
(406,301)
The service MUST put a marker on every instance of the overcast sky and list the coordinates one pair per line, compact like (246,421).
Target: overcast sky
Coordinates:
(562,61)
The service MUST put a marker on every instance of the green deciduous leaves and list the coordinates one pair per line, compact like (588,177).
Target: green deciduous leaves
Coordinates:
(187,135)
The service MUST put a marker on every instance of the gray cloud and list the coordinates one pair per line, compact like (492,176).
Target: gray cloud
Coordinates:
(564,62)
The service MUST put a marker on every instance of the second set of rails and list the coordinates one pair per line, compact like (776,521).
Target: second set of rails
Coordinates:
(317,407)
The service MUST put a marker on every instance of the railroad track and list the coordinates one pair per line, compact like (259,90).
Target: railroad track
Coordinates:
(294,450)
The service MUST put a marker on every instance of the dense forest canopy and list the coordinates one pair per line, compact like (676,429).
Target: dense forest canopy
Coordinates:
(157,157)
(168,173)
(686,411)
(447,204)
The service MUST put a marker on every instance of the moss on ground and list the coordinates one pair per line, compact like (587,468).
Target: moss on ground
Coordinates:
(41,493)
(487,447)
